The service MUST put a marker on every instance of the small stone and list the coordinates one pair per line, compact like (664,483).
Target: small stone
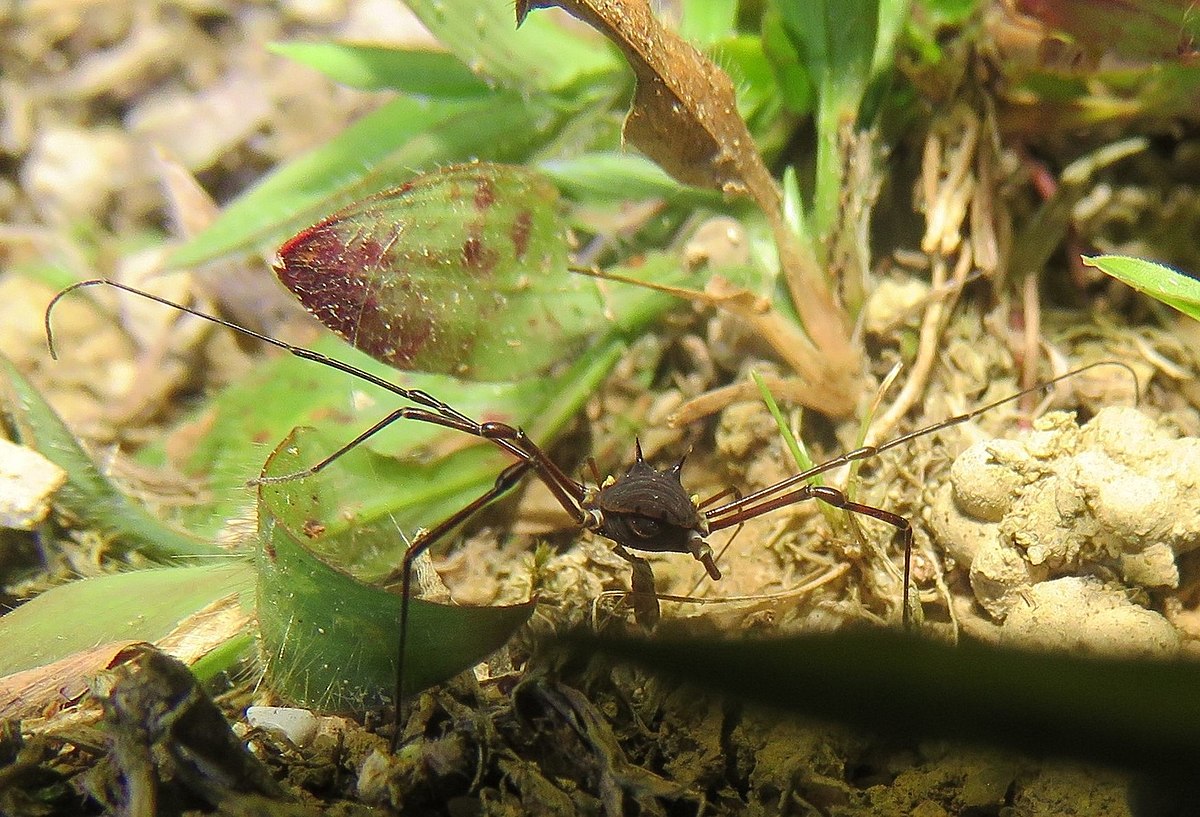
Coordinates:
(71,172)
(298,725)
(27,482)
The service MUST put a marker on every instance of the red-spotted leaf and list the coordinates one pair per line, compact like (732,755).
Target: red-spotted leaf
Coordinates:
(461,271)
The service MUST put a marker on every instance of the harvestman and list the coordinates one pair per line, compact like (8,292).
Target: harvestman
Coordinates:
(644,509)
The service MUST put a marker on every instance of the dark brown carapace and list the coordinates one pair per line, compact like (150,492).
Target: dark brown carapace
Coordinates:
(649,510)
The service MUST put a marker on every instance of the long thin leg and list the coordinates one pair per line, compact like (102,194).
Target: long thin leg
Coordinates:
(787,492)
(405,413)
(868,451)
(508,478)
(509,438)
(421,398)
(712,500)
(717,497)
(512,439)
(415,395)
(834,497)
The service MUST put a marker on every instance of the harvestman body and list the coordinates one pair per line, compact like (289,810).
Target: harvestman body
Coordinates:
(644,509)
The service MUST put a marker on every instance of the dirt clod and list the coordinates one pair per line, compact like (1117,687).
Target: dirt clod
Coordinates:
(1113,498)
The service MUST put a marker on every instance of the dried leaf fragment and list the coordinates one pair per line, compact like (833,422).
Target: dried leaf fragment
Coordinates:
(684,113)
(684,116)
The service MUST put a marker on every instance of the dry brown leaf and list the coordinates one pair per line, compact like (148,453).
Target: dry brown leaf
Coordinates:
(190,207)
(684,113)
(718,294)
(789,389)
(684,116)
(42,691)
(778,331)
(206,629)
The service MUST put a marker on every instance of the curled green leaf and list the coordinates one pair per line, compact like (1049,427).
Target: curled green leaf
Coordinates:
(329,639)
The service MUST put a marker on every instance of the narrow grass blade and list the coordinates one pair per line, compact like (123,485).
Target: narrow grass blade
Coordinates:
(799,452)
(434,74)
(87,494)
(1172,287)
(141,605)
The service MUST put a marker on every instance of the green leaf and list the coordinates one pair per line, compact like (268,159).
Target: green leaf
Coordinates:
(377,152)
(1174,288)
(848,47)
(545,55)
(792,75)
(747,64)
(87,494)
(620,177)
(836,42)
(330,640)
(706,22)
(851,30)
(375,68)
(141,605)
(461,271)
(1137,714)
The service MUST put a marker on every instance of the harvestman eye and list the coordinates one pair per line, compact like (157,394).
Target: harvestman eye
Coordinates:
(645,527)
